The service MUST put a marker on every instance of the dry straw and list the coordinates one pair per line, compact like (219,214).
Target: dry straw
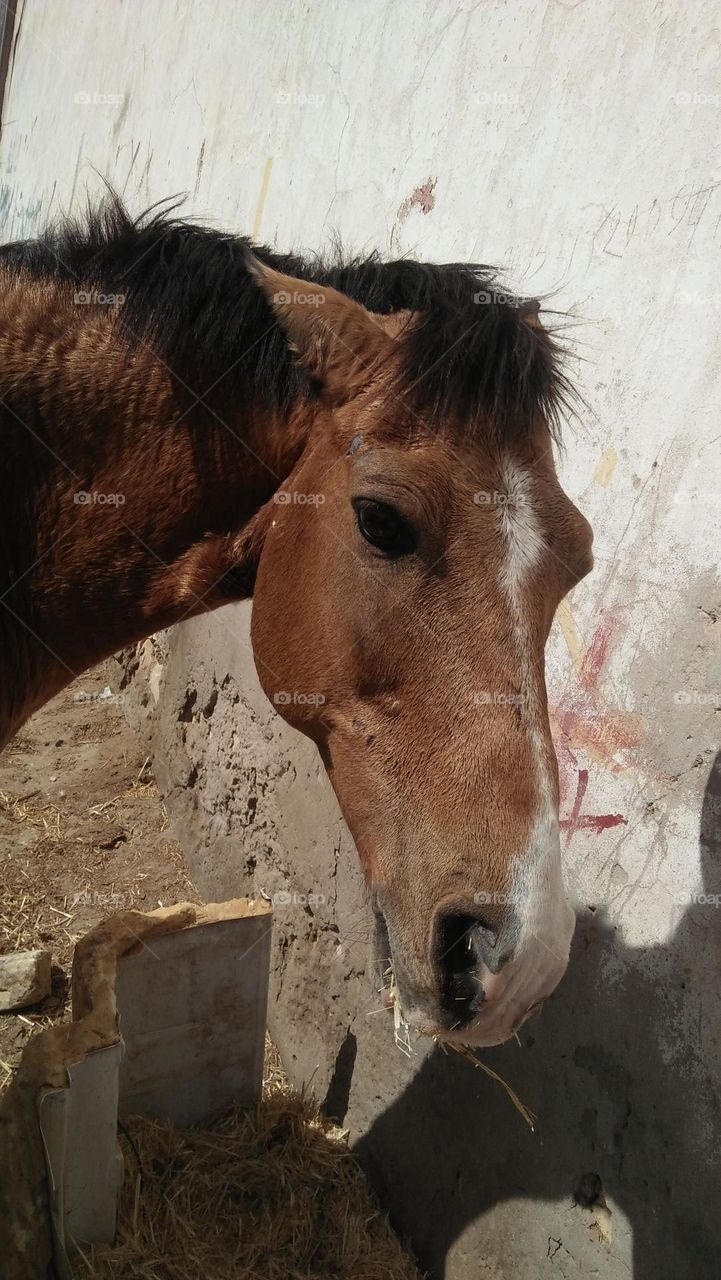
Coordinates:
(267,1195)
(402,1039)
(467,1053)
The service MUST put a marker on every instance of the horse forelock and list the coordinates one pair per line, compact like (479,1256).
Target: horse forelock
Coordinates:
(474,356)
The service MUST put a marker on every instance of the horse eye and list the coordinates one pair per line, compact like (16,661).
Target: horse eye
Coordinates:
(384,527)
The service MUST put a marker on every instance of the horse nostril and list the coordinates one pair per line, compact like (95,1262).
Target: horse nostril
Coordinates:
(463,943)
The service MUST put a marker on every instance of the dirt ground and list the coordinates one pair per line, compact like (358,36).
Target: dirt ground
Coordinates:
(83,832)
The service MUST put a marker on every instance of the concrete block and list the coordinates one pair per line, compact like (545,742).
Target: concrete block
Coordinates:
(79,1125)
(192,1009)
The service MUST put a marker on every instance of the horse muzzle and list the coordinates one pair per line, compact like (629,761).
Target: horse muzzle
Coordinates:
(483,976)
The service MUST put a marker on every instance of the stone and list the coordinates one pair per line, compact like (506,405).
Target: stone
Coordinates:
(24,979)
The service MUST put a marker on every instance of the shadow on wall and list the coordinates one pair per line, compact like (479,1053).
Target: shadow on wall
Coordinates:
(625,1079)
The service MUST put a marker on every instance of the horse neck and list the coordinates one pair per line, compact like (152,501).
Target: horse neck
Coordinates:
(119,488)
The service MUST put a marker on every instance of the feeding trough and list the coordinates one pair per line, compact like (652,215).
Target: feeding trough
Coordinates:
(168,1022)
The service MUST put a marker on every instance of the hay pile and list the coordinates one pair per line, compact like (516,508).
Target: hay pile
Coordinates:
(267,1195)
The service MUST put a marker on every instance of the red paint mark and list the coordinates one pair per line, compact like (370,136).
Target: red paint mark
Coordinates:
(596,822)
(599,822)
(595,656)
(576,810)
(584,724)
(422,198)
(567,762)
(596,730)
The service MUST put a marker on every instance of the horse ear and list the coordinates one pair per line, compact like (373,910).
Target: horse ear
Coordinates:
(530,312)
(218,569)
(243,551)
(338,341)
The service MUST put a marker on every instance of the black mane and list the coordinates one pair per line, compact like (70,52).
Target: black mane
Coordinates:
(189,291)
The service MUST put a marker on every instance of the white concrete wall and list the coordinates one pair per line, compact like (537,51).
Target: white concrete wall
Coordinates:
(576,145)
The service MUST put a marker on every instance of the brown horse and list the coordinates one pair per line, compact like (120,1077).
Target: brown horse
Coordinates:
(367,450)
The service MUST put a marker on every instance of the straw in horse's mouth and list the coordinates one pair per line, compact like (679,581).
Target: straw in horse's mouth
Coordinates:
(389,990)
(401,1034)
(467,1052)
(401,1030)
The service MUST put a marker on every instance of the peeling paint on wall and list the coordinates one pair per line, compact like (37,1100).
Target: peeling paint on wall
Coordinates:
(423,198)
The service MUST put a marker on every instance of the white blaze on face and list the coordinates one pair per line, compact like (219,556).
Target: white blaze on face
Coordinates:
(536,889)
(521,531)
